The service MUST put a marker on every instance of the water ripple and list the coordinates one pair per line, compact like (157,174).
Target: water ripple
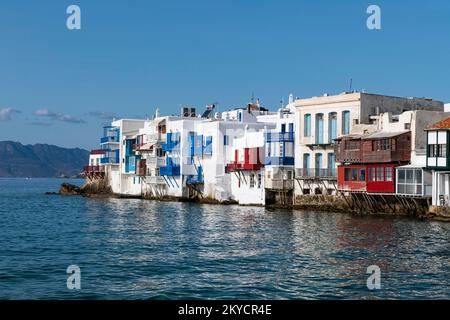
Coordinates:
(134,249)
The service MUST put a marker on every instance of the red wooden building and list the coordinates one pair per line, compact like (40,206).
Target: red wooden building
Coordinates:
(368,161)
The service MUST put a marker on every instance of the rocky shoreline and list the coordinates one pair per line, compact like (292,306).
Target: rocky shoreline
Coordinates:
(99,189)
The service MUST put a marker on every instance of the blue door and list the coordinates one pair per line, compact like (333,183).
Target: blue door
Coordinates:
(319,128)
(306,164)
(346,122)
(318,164)
(331,164)
(332,127)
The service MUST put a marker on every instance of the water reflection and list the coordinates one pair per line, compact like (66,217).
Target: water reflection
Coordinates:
(130,248)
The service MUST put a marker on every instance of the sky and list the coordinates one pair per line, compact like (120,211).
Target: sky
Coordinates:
(60,86)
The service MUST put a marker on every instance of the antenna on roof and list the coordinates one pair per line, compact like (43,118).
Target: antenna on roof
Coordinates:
(253,97)
(351,85)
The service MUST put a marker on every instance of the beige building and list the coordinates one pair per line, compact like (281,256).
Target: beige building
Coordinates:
(319,120)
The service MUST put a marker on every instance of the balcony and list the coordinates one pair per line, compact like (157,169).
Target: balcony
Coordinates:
(173,142)
(198,179)
(109,139)
(109,160)
(279,137)
(94,169)
(279,184)
(155,180)
(238,166)
(155,162)
(171,171)
(279,161)
(319,174)
(98,151)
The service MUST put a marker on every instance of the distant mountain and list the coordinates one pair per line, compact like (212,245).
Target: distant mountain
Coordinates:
(40,160)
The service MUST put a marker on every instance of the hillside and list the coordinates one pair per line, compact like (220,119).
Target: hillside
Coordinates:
(40,160)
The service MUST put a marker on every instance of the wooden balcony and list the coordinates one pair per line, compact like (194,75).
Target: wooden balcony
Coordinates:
(94,169)
(238,166)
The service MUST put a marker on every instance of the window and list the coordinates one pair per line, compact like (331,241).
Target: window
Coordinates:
(442,150)
(252,180)
(409,176)
(319,128)
(380,174)
(401,176)
(354,174)
(352,145)
(388,174)
(283,128)
(289,175)
(381,145)
(410,181)
(347,172)
(362,175)
(259,181)
(307,125)
(332,126)
(346,122)
(306,160)
(372,176)
(225,140)
(432,150)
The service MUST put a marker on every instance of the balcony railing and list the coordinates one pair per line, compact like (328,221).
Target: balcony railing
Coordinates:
(155,180)
(109,160)
(238,166)
(155,162)
(94,169)
(279,136)
(279,161)
(279,184)
(171,171)
(109,139)
(98,151)
(197,179)
(311,173)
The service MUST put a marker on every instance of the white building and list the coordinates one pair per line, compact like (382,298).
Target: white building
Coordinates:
(319,120)
(247,169)
(181,156)
(280,158)
(412,179)
(438,161)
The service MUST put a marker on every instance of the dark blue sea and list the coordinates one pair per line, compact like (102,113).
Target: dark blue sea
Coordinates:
(136,249)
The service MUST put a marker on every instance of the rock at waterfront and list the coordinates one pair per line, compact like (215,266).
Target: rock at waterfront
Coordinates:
(68,189)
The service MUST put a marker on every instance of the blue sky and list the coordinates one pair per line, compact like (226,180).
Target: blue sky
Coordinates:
(59,86)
